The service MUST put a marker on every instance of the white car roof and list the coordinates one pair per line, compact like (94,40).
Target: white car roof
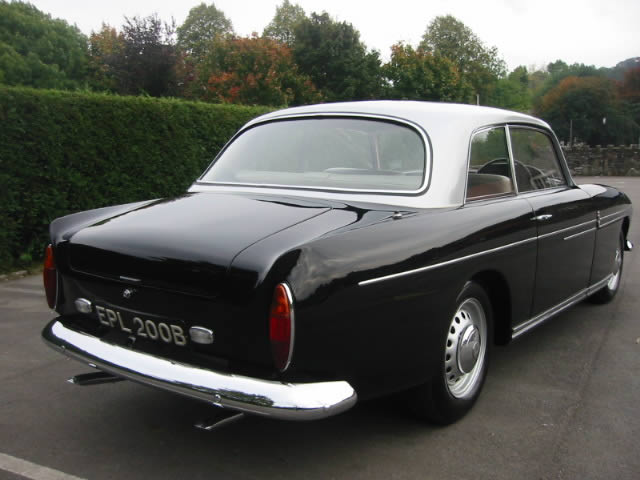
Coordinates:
(428,115)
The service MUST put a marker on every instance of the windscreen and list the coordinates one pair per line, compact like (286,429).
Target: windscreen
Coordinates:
(324,153)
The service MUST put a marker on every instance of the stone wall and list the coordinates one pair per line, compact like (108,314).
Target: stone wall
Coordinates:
(610,160)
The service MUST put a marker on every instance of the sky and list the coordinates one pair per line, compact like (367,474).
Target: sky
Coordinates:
(526,32)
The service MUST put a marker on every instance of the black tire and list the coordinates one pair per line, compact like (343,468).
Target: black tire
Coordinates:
(608,292)
(465,353)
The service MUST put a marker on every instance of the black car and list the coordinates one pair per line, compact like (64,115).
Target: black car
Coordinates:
(338,252)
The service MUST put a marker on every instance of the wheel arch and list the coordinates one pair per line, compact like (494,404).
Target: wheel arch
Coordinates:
(625,226)
(499,293)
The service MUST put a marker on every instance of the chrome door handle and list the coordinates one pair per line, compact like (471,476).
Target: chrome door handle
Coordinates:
(541,218)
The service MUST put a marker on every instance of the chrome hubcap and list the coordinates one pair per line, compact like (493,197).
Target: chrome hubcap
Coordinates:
(612,284)
(468,349)
(465,349)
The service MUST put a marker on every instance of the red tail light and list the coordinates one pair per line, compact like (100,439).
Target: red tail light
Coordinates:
(49,277)
(281,326)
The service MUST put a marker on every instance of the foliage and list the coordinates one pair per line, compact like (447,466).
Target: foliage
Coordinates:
(202,25)
(197,36)
(618,72)
(106,58)
(584,102)
(479,65)
(257,70)
(418,75)
(140,60)
(536,80)
(338,63)
(149,57)
(582,95)
(512,92)
(630,85)
(37,50)
(62,152)
(629,93)
(283,24)
(558,71)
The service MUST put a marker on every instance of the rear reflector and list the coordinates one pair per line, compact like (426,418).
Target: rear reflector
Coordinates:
(281,326)
(49,277)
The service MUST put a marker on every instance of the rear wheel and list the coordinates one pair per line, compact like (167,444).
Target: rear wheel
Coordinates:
(608,292)
(464,362)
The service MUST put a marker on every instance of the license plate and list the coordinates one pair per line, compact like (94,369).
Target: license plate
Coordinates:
(141,327)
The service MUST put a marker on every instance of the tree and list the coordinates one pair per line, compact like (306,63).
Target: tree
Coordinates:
(558,71)
(39,51)
(149,57)
(283,24)
(629,93)
(512,92)
(584,102)
(418,75)
(106,58)
(256,70)
(479,65)
(537,78)
(338,63)
(202,25)
(629,88)
(617,73)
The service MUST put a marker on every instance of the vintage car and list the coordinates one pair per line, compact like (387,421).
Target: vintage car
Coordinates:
(338,252)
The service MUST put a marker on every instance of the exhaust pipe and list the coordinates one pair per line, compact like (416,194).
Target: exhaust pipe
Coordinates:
(222,417)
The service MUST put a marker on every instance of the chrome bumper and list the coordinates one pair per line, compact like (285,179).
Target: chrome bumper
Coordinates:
(286,401)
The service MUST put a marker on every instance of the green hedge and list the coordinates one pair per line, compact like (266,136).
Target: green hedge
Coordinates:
(62,152)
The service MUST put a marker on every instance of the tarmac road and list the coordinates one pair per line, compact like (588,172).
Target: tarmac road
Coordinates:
(561,402)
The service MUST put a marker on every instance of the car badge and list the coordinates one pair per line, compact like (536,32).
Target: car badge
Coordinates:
(128,292)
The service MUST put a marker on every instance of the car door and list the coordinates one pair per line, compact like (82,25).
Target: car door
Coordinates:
(491,194)
(563,214)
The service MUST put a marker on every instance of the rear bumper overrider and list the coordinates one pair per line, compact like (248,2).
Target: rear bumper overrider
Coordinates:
(286,401)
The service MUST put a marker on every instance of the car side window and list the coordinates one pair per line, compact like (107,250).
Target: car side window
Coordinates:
(489,166)
(535,160)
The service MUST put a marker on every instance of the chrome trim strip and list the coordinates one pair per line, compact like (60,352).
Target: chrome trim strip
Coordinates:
(565,229)
(620,217)
(129,279)
(490,196)
(287,289)
(580,233)
(314,188)
(514,180)
(286,401)
(619,212)
(442,264)
(547,314)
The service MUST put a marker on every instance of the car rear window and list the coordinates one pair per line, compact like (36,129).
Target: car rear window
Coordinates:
(324,153)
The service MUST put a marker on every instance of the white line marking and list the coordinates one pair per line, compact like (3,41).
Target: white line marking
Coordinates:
(32,470)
